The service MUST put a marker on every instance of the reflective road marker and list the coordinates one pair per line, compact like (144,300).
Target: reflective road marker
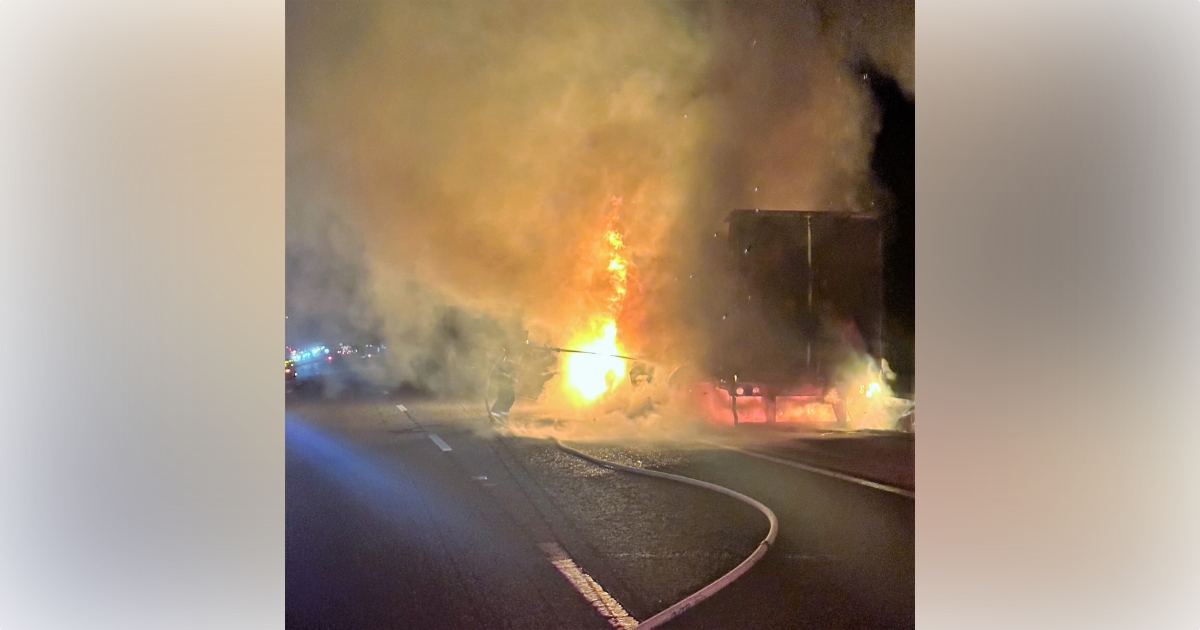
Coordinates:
(440,442)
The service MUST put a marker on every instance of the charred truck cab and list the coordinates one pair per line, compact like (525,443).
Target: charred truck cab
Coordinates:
(808,299)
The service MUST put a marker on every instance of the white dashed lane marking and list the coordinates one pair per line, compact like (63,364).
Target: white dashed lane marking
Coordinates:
(609,608)
(440,442)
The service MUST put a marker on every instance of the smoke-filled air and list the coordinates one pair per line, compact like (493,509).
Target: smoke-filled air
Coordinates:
(546,186)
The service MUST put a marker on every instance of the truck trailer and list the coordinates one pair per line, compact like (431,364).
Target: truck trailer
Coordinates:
(806,300)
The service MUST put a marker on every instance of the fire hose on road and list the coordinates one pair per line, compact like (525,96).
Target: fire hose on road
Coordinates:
(708,591)
(599,354)
(690,601)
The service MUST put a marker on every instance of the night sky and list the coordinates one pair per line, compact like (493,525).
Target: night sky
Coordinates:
(893,163)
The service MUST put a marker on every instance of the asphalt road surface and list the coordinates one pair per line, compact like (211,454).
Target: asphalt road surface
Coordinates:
(425,517)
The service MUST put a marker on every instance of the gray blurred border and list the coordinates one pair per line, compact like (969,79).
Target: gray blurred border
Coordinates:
(1057,163)
(141,269)
(141,300)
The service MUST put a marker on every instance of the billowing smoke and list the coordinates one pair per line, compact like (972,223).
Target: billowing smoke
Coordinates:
(453,166)
(791,127)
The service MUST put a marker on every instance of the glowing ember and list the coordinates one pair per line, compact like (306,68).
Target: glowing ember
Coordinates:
(614,240)
(870,402)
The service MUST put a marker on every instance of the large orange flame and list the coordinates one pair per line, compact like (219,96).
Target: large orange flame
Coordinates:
(588,376)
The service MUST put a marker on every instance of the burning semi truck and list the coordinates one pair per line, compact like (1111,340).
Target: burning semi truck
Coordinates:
(802,339)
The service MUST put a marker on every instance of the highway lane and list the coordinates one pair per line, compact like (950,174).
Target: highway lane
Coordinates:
(844,557)
(385,529)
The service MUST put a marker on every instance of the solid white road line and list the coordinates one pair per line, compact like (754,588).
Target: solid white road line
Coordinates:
(820,471)
(609,608)
(440,442)
(681,606)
